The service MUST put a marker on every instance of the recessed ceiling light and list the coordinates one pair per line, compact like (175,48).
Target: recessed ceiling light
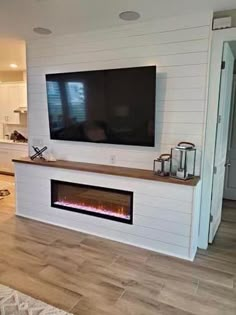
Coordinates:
(13,65)
(42,30)
(129,15)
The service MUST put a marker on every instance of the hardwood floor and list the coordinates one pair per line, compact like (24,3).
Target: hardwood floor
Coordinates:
(87,275)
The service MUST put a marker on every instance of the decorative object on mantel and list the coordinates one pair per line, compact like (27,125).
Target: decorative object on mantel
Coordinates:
(161,166)
(38,153)
(183,159)
(17,303)
(18,137)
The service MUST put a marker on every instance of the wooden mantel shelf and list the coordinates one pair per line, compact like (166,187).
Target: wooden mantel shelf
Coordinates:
(109,170)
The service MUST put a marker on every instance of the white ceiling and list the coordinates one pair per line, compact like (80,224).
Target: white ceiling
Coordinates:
(18,17)
(12,51)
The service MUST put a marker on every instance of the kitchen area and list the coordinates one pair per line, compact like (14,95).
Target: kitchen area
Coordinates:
(13,103)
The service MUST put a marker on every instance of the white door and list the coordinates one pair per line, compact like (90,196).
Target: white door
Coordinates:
(230,171)
(221,140)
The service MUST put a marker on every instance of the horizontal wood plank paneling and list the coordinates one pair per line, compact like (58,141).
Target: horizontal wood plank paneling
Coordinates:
(165,248)
(122,52)
(74,63)
(180,94)
(183,71)
(165,190)
(177,46)
(162,212)
(178,117)
(125,40)
(184,106)
(197,82)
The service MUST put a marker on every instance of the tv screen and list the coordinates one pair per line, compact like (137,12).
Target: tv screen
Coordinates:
(108,106)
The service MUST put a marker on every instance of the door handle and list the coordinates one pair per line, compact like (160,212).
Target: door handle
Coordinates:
(227,164)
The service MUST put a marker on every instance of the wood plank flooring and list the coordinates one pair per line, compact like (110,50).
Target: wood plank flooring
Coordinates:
(87,275)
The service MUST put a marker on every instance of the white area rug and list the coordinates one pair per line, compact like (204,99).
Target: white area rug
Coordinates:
(13,302)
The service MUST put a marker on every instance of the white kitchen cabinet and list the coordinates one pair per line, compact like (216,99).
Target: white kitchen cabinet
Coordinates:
(12,96)
(10,151)
(5,165)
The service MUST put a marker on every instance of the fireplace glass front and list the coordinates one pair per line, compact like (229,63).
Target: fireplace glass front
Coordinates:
(102,202)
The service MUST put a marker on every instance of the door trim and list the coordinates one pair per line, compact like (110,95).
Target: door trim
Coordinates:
(218,39)
(232,112)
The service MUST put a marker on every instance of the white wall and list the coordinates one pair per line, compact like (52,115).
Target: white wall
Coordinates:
(179,48)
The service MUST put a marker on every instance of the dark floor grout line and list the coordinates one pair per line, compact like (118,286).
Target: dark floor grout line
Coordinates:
(76,303)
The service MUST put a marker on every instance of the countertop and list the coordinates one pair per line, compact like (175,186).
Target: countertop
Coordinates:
(12,142)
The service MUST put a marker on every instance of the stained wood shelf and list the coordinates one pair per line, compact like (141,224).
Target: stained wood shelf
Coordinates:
(109,170)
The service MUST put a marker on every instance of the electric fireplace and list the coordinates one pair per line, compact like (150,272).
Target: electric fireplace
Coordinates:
(101,202)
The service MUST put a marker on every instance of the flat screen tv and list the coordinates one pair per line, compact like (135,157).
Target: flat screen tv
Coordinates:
(105,106)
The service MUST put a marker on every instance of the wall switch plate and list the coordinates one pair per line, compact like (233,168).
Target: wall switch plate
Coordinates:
(113,159)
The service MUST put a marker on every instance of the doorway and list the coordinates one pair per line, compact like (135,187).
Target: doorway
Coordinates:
(230,171)
(13,118)
(219,38)
(223,196)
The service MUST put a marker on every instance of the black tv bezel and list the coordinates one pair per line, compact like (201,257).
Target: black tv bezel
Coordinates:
(139,144)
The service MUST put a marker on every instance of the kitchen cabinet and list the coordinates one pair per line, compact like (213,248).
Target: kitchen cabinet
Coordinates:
(12,96)
(9,151)
(5,165)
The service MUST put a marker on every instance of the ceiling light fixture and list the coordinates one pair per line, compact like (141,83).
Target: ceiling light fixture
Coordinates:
(13,65)
(129,16)
(42,30)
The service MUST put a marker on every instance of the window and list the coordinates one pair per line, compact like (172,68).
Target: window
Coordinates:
(55,104)
(76,101)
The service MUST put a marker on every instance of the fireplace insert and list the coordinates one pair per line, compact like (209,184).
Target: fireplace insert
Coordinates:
(112,204)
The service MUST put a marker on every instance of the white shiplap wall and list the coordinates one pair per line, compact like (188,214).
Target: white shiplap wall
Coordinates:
(179,48)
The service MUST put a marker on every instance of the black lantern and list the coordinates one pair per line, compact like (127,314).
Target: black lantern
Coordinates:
(161,166)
